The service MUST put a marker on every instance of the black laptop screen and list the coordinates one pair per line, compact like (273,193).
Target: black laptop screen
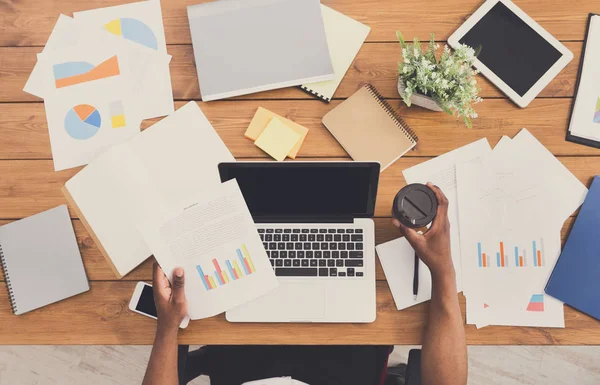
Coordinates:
(300,190)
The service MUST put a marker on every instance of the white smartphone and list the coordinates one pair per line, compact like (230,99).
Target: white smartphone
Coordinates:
(142,301)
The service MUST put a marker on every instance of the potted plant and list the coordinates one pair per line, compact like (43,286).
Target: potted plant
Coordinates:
(445,84)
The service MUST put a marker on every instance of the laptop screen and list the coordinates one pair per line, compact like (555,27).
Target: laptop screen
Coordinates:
(299,190)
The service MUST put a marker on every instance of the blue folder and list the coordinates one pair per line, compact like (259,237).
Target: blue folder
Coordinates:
(576,276)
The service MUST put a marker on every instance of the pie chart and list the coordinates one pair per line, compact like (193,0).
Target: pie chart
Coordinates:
(82,121)
(134,30)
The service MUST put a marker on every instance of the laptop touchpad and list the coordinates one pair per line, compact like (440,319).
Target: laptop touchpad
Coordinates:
(301,301)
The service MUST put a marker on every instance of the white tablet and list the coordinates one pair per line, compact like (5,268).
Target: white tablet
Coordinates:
(517,54)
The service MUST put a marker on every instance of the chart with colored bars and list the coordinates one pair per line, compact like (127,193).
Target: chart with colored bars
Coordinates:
(72,73)
(536,303)
(597,111)
(516,256)
(234,270)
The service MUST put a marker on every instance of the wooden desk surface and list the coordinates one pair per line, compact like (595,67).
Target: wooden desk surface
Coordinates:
(29,185)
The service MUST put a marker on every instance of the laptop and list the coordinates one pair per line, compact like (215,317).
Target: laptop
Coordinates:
(315,222)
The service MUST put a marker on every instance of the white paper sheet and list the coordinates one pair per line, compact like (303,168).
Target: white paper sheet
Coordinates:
(441,171)
(140,22)
(213,237)
(164,165)
(512,204)
(86,119)
(147,69)
(532,158)
(397,259)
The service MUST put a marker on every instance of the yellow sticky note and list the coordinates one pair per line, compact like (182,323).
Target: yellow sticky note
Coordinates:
(277,139)
(263,117)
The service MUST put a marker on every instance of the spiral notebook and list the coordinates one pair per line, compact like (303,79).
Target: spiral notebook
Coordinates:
(41,260)
(345,36)
(369,129)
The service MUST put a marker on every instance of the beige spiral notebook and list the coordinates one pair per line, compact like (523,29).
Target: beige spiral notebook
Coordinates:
(369,129)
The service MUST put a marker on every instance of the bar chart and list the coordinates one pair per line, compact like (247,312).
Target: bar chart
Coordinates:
(524,255)
(235,268)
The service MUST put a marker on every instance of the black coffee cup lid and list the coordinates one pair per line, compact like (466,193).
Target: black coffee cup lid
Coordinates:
(415,205)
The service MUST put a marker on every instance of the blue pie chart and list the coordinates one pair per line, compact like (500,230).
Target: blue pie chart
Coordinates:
(82,122)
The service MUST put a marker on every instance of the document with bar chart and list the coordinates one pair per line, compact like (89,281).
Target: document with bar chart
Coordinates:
(213,237)
(511,206)
(511,255)
(232,272)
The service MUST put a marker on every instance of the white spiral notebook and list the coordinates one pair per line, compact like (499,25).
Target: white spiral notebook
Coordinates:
(345,37)
(41,260)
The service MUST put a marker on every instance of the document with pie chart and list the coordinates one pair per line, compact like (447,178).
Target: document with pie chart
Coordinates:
(85,121)
(78,53)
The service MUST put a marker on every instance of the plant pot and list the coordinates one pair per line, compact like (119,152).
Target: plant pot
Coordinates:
(420,100)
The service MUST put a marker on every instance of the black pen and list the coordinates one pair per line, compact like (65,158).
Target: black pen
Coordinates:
(416,278)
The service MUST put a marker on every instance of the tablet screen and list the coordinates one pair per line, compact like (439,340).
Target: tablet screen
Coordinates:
(511,49)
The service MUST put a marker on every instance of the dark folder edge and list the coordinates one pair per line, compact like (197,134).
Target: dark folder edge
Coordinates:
(570,137)
(555,294)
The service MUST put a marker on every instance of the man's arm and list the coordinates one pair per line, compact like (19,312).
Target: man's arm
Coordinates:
(171,307)
(444,354)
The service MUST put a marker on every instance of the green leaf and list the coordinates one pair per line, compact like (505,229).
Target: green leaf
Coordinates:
(432,49)
(401,39)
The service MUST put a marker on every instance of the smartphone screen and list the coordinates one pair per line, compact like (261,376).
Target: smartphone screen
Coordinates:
(146,302)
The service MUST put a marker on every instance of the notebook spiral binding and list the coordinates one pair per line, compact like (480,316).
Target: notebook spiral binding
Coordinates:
(313,93)
(11,295)
(392,113)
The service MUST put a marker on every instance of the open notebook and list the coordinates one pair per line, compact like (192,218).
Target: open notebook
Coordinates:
(369,129)
(41,260)
(165,164)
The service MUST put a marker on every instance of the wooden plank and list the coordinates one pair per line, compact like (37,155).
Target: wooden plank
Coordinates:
(29,22)
(376,63)
(101,316)
(31,186)
(98,269)
(25,135)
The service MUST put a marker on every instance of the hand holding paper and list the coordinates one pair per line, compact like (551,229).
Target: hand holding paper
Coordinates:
(213,237)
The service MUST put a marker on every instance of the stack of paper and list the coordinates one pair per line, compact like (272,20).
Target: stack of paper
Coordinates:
(507,208)
(512,205)
(397,257)
(169,162)
(276,135)
(100,74)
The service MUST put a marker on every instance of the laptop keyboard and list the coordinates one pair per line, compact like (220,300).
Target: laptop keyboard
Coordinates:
(314,252)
